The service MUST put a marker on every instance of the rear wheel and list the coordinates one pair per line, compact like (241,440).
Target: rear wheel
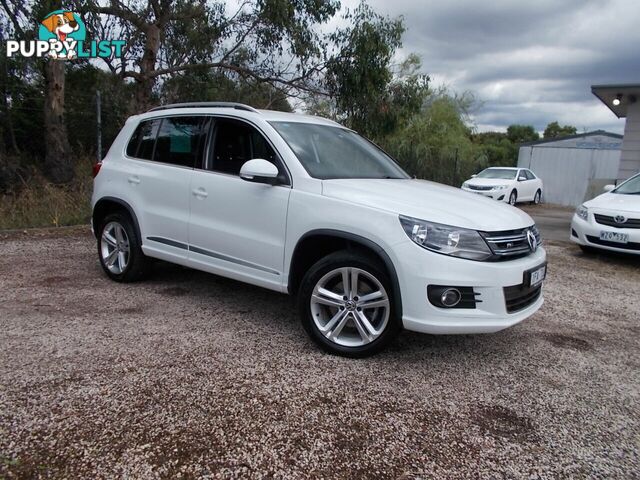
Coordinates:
(346,305)
(537,197)
(119,249)
(513,197)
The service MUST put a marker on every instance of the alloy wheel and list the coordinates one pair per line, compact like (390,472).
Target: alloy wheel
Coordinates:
(114,248)
(350,307)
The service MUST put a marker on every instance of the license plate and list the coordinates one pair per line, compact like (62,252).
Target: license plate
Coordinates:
(615,237)
(537,276)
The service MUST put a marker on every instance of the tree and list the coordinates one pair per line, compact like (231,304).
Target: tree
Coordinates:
(211,85)
(436,142)
(495,149)
(267,41)
(522,134)
(360,80)
(58,163)
(554,130)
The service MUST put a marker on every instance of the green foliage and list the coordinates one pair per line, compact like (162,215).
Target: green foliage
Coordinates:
(522,134)
(209,85)
(495,149)
(435,143)
(359,77)
(554,130)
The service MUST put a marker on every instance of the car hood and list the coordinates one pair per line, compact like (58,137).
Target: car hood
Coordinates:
(483,182)
(616,201)
(429,201)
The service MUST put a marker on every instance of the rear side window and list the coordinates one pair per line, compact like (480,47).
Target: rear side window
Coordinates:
(170,140)
(179,141)
(143,140)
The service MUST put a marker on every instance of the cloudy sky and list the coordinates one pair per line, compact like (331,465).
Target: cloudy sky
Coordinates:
(529,62)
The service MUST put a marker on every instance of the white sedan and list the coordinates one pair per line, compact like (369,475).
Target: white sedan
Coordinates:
(610,221)
(506,184)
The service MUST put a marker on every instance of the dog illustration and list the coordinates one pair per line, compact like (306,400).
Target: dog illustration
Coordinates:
(61,25)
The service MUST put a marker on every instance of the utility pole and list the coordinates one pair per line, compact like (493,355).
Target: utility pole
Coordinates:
(99,125)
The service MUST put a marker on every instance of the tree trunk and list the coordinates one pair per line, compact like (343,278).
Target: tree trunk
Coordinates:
(58,163)
(144,85)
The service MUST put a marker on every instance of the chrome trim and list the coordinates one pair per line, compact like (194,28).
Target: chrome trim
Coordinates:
(209,253)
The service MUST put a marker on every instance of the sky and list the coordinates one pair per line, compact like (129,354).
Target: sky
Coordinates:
(527,62)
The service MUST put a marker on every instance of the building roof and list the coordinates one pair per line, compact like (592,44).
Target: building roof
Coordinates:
(569,137)
(627,93)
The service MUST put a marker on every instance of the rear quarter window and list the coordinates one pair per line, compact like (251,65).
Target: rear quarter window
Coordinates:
(143,140)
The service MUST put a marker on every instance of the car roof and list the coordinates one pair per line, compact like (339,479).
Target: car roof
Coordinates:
(236,110)
(503,168)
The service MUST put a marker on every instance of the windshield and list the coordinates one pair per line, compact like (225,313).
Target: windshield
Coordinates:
(333,152)
(500,173)
(630,187)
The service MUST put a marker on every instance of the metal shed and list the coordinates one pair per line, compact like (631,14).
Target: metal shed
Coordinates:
(575,167)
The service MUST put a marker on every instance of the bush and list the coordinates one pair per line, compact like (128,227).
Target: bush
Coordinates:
(38,203)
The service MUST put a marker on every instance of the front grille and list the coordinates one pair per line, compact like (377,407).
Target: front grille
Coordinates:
(480,187)
(611,221)
(519,297)
(511,244)
(625,246)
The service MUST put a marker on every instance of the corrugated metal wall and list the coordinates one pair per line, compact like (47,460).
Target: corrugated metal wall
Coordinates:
(567,172)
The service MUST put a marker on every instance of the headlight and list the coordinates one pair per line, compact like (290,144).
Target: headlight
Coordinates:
(582,212)
(465,185)
(454,241)
(500,187)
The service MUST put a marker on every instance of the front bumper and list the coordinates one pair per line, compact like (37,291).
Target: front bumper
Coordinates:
(587,233)
(418,268)
(500,195)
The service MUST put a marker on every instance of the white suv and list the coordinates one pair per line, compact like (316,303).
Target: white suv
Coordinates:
(304,206)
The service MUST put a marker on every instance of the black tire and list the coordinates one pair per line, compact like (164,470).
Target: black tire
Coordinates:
(513,198)
(137,264)
(347,259)
(537,197)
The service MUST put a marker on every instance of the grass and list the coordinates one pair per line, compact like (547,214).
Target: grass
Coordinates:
(38,203)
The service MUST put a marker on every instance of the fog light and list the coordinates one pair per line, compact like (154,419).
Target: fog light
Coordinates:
(450,297)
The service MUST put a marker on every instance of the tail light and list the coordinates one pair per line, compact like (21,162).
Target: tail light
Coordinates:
(96,169)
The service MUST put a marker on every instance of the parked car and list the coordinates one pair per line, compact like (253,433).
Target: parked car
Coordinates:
(304,206)
(506,184)
(610,221)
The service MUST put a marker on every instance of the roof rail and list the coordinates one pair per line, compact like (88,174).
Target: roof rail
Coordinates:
(237,106)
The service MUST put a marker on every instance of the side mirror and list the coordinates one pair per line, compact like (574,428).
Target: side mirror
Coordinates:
(522,179)
(259,171)
(474,175)
(608,188)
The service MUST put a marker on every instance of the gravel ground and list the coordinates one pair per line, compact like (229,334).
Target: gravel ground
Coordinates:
(192,375)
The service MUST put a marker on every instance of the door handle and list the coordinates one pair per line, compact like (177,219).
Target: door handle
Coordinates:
(200,193)
(133,180)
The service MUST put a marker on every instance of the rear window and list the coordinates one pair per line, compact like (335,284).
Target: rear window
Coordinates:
(171,140)
(143,140)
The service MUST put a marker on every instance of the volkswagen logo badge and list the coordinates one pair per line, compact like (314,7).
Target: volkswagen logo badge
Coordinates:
(531,239)
(619,219)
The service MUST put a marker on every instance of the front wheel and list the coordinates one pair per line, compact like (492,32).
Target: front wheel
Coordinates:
(346,305)
(513,198)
